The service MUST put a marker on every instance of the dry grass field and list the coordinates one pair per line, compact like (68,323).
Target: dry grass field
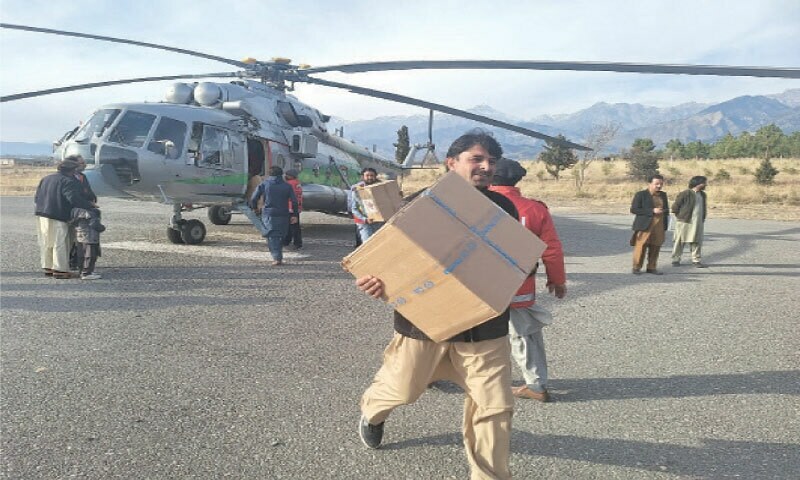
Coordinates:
(607,188)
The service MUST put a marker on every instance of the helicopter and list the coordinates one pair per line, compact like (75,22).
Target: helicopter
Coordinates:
(207,144)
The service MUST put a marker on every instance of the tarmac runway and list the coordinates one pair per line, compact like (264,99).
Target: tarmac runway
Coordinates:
(206,362)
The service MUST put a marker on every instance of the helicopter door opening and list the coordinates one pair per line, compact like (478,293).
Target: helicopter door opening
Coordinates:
(256,157)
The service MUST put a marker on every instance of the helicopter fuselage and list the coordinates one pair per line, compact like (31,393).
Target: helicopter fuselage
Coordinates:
(205,143)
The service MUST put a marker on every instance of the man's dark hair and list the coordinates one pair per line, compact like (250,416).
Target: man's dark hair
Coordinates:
(698,180)
(472,138)
(654,177)
(508,172)
(275,171)
(69,165)
(369,169)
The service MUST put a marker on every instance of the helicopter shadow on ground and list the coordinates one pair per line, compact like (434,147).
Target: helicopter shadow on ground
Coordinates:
(582,238)
(713,459)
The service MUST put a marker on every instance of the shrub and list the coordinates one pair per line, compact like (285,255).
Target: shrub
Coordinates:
(607,168)
(744,171)
(540,175)
(765,174)
(707,172)
(722,175)
(790,171)
(674,171)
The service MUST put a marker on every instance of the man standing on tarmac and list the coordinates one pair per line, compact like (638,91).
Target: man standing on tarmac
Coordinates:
(295,235)
(650,224)
(275,213)
(477,359)
(527,318)
(690,210)
(56,196)
(364,226)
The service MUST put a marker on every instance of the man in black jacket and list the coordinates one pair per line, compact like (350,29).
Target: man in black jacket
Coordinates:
(56,196)
(477,359)
(650,225)
(690,210)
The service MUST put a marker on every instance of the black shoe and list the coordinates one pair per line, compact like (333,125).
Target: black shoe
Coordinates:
(636,271)
(655,272)
(371,435)
(699,265)
(676,264)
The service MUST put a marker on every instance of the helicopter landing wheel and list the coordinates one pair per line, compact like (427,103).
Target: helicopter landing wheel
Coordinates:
(219,214)
(174,235)
(193,232)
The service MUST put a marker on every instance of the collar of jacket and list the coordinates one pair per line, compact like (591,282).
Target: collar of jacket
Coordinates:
(506,190)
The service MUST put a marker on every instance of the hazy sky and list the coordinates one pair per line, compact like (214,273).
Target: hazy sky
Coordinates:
(746,32)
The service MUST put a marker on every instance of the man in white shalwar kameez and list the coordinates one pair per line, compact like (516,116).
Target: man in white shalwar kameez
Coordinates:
(689,208)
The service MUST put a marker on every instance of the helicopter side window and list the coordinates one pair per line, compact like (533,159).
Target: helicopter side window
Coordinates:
(132,129)
(95,126)
(216,149)
(172,131)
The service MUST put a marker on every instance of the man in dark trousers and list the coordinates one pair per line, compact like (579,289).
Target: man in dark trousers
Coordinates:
(295,235)
(76,260)
(478,359)
(650,225)
(56,196)
(275,215)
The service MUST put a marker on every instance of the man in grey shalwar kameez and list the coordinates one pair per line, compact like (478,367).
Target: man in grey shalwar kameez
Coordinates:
(689,208)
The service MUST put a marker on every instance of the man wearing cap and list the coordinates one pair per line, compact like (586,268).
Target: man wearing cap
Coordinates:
(690,210)
(277,196)
(527,318)
(365,227)
(294,235)
(56,196)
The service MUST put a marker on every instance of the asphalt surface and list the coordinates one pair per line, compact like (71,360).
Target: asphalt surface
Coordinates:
(206,362)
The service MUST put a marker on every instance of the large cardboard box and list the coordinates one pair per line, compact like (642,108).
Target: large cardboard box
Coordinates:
(449,260)
(381,200)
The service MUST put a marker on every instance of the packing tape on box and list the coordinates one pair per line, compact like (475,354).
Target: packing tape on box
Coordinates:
(483,234)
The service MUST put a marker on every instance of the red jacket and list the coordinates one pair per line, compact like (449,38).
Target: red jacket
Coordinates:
(298,192)
(535,216)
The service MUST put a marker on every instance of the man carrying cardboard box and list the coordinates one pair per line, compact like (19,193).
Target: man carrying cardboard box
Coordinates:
(477,359)
(365,227)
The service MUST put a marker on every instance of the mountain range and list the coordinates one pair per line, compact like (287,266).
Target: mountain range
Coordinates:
(686,122)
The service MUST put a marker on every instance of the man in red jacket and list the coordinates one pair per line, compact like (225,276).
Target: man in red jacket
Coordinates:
(294,234)
(527,318)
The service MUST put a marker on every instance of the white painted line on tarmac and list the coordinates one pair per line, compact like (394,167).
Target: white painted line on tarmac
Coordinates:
(214,251)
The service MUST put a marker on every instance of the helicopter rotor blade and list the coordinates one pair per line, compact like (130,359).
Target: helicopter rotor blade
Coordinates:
(442,108)
(84,86)
(123,40)
(656,68)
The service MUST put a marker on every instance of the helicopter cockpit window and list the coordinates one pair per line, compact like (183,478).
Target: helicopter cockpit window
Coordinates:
(132,129)
(168,130)
(96,125)
(216,149)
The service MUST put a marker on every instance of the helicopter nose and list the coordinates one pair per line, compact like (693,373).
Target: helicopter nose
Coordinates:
(104,181)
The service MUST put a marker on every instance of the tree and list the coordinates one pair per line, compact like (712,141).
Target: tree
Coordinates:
(674,149)
(403,145)
(642,159)
(765,174)
(557,158)
(767,139)
(696,149)
(599,136)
